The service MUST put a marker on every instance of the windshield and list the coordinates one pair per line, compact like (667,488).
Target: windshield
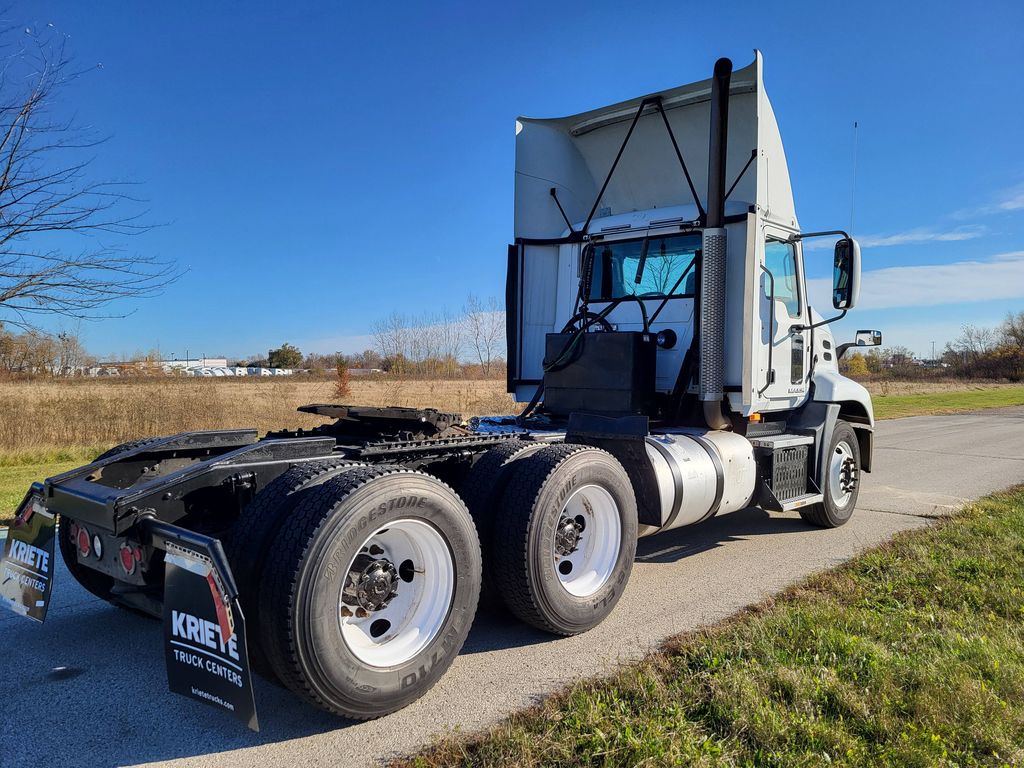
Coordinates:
(651,267)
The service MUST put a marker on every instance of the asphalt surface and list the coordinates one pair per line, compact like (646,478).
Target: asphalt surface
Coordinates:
(88,686)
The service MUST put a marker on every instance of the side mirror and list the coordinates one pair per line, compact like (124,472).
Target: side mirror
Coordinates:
(860,339)
(867,339)
(846,274)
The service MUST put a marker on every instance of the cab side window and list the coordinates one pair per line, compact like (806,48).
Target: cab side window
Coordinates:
(780,260)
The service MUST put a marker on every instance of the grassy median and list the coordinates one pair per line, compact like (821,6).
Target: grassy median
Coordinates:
(954,401)
(910,655)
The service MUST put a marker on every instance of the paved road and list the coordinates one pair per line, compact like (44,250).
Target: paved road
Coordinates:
(89,687)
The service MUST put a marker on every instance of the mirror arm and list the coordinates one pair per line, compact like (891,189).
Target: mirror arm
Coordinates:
(804,235)
(802,328)
(841,349)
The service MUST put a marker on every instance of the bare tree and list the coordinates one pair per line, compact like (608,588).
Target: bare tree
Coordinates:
(391,338)
(1012,330)
(451,341)
(485,329)
(71,354)
(973,343)
(53,217)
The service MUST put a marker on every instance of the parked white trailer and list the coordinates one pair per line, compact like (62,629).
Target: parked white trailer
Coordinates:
(660,335)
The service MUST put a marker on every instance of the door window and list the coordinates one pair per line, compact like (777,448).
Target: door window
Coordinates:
(780,260)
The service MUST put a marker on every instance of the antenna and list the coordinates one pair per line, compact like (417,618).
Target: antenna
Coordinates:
(853,188)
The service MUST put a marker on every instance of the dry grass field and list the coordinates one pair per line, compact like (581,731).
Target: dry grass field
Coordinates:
(41,415)
(45,415)
(48,427)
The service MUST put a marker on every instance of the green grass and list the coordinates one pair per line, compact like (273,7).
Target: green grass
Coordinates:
(910,655)
(19,469)
(931,403)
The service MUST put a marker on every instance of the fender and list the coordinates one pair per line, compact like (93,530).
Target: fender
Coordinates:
(854,406)
(832,387)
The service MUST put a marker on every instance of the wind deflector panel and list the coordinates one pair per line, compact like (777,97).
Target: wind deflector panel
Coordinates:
(574,154)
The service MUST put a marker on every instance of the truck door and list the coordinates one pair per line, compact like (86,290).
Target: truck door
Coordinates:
(783,313)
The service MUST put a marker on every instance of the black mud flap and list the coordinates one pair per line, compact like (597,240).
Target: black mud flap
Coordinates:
(26,569)
(204,629)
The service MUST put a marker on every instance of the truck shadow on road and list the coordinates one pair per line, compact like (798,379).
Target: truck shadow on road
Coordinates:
(674,545)
(495,629)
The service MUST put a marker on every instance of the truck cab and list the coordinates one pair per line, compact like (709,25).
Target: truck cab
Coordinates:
(637,223)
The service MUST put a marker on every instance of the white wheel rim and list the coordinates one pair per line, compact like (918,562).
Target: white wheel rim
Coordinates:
(839,487)
(393,634)
(585,569)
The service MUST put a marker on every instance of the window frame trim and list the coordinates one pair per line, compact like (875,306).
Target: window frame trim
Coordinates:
(797,270)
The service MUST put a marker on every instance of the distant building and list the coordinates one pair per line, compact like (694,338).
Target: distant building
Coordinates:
(195,362)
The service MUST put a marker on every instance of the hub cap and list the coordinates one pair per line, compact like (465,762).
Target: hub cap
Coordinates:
(587,540)
(397,593)
(842,474)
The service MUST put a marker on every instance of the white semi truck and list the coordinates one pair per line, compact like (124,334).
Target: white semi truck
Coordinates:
(660,335)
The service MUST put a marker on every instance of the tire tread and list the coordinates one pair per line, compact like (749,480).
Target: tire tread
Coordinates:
(512,530)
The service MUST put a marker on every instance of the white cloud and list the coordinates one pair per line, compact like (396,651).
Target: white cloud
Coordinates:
(910,237)
(1011,199)
(997,277)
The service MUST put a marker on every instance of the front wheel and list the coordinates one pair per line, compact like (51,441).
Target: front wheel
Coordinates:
(369,590)
(841,483)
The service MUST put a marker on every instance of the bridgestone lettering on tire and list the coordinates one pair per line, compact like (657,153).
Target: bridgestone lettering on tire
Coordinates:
(482,490)
(253,535)
(557,489)
(309,601)
(840,480)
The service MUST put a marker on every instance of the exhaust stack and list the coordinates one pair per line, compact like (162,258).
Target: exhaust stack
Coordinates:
(712,286)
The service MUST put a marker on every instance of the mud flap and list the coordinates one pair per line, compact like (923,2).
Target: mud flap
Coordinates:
(26,568)
(204,629)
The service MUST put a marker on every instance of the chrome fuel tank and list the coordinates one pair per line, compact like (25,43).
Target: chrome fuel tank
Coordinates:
(700,474)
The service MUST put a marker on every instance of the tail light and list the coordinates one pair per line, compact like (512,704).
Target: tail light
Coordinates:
(129,557)
(84,541)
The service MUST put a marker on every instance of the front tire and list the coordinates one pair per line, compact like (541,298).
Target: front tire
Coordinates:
(841,484)
(369,590)
(565,538)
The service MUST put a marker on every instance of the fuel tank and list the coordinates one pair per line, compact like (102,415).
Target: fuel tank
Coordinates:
(700,474)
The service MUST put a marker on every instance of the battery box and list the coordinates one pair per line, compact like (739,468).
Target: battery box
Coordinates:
(605,372)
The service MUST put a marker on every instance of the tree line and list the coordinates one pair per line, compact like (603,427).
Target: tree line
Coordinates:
(442,344)
(38,354)
(977,353)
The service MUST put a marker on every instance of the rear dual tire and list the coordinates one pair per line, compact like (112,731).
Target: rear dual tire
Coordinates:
(565,538)
(330,627)
(253,534)
(482,490)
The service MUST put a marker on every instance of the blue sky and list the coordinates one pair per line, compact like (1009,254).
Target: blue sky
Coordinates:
(318,165)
